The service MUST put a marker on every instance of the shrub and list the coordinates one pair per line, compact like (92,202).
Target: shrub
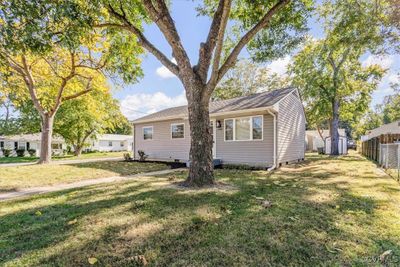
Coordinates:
(142,155)
(6,152)
(127,156)
(20,152)
(32,152)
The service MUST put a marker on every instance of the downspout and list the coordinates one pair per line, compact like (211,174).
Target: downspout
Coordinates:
(134,139)
(274,166)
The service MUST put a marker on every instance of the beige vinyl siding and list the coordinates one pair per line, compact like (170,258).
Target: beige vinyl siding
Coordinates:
(291,129)
(252,152)
(162,146)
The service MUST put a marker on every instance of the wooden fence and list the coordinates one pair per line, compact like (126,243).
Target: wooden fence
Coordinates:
(370,148)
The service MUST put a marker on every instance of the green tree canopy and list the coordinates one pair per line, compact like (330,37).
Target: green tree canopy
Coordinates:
(248,78)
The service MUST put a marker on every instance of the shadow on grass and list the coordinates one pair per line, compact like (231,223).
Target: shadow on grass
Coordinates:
(117,223)
(122,167)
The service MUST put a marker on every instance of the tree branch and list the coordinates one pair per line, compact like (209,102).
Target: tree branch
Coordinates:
(87,90)
(142,40)
(231,59)
(206,49)
(218,50)
(30,83)
(165,23)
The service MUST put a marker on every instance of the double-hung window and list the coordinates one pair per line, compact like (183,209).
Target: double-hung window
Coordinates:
(148,133)
(244,128)
(177,130)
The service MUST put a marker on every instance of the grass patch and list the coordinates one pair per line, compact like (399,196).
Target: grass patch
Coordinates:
(326,211)
(17,177)
(94,155)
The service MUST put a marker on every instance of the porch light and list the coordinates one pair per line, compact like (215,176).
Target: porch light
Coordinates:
(219,125)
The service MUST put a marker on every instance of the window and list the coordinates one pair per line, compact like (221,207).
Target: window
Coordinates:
(177,130)
(1,144)
(56,146)
(109,143)
(122,144)
(257,124)
(148,133)
(229,130)
(15,145)
(28,146)
(244,128)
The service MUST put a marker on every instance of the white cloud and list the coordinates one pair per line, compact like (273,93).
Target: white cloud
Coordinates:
(165,73)
(384,61)
(279,66)
(138,105)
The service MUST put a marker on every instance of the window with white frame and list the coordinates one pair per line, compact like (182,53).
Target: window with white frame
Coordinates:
(110,143)
(177,130)
(148,133)
(244,128)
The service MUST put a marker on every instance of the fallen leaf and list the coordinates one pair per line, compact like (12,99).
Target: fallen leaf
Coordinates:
(38,213)
(141,259)
(259,198)
(384,255)
(73,221)
(92,261)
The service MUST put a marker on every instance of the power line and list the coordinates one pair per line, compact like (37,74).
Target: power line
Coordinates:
(134,110)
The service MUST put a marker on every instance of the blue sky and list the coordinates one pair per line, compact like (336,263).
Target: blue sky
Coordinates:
(159,89)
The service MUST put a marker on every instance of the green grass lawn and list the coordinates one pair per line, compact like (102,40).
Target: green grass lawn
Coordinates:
(93,155)
(17,177)
(325,212)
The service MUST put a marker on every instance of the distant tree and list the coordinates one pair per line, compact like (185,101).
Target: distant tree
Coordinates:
(371,120)
(84,118)
(334,84)
(50,54)
(248,78)
(391,106)
(123,126)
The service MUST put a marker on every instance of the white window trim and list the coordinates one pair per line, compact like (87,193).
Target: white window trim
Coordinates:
(152,133)
(174,124)
(251,128)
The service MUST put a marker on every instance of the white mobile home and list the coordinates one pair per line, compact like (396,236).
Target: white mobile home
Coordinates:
(264,129)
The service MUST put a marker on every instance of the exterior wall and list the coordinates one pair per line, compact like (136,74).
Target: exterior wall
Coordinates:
(103,145)
(252,152)
(32,145)
(342,145)
(162,146)
(291,129)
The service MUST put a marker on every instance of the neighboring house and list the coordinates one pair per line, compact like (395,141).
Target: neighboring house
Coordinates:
(264,129)
(390,128)
(111,142)
(314,140)
(30,141)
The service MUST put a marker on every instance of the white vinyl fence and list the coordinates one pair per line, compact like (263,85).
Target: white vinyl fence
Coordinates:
(389,159)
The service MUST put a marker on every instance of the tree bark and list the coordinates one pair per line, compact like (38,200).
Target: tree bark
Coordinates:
(201,159)
(78,150)
(45,143)
(334,128)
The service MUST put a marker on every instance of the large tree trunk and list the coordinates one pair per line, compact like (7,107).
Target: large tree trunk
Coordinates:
(45,143)
(78,150)
(201,159)
(334,128)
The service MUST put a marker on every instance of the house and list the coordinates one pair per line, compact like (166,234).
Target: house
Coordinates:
(30,141)
(377,139)
(265,130)
(111,142)
(390,128)
(314,141)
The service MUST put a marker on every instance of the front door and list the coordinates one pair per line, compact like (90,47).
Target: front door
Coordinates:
(213,133)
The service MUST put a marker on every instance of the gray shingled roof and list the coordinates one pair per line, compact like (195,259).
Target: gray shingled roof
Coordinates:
(265,99)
